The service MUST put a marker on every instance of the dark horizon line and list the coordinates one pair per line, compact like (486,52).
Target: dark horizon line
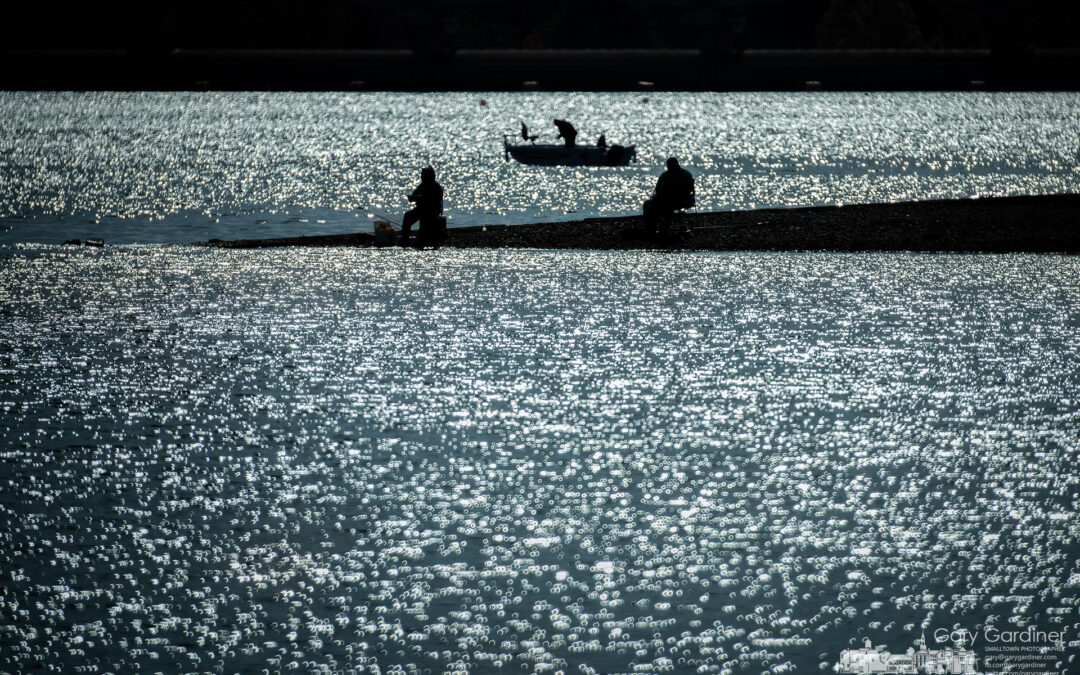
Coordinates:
(540,70)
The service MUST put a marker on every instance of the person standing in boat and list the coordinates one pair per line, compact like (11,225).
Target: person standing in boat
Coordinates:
(674,191)
(567,132)
(428,197)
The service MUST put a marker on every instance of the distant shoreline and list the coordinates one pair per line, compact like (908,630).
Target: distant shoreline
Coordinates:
(1035,224)
(185,69)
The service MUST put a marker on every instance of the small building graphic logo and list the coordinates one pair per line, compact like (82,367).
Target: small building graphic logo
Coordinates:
(872,660)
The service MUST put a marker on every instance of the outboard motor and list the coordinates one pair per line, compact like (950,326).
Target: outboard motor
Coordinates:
(616,155)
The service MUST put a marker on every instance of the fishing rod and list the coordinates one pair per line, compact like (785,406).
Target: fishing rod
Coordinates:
(384,217)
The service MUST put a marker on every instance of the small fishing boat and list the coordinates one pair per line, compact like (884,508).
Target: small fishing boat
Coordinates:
(577,155)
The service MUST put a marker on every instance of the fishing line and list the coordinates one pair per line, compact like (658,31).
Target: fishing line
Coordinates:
(373,212)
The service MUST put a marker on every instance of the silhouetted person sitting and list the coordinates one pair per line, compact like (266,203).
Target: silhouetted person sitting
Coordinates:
(525,133)
(602,142)
(674,191)
(428,197)
(567,132)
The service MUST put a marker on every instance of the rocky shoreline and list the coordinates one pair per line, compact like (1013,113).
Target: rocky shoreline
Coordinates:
(1040,224)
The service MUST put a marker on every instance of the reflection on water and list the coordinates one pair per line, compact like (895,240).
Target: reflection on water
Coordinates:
(154,167)
(319,461)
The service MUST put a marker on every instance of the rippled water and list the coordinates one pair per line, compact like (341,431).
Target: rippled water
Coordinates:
(316,461)
(160,167)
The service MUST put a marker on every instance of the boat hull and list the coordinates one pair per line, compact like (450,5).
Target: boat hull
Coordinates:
(578,155)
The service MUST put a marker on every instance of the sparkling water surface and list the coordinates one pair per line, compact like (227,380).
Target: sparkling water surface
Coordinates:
(170,167)
(481,461)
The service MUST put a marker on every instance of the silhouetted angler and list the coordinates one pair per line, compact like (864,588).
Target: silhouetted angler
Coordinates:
(674,191)
(567,132)
(525,133)
(428,197)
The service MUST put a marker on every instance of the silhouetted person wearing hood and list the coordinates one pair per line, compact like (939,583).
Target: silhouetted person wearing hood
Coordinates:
(674,191)
(567,132)
(428,197)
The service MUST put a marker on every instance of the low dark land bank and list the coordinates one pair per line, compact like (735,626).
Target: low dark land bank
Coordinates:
(543,70)
(1043,224)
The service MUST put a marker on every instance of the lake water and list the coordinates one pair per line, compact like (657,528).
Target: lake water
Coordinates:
(171,167)
(492,461)
(525,461)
